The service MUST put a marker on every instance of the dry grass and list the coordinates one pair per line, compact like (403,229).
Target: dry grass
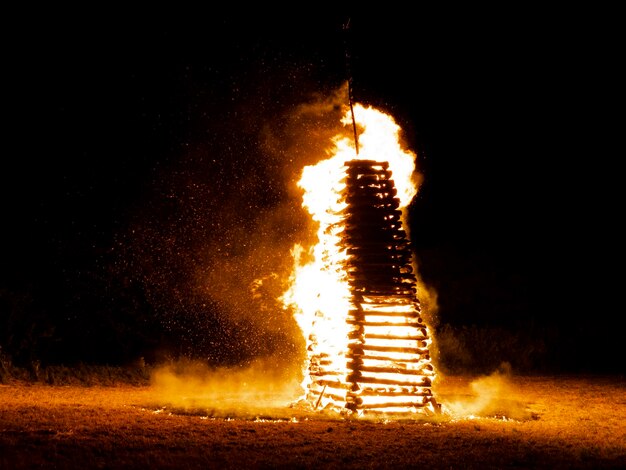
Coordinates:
(521,422)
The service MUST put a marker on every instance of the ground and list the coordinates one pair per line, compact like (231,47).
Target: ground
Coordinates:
(493,422)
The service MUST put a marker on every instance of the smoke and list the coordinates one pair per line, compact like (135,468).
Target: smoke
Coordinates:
(493,395)
(258,390)
(207,246)
(428,299)
(221,262)
(209,242)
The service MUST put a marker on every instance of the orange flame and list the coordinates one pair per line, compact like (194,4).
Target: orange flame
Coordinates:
(319,291)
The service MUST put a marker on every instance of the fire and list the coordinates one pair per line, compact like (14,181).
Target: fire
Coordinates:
(353,292)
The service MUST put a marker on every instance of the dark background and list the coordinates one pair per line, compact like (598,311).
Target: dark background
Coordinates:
(134,148)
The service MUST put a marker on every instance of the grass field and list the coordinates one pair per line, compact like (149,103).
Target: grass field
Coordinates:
(489,422)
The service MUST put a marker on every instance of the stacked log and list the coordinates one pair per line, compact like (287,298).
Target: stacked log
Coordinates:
(388,361)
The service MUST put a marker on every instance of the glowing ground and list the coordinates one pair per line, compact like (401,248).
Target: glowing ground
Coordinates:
(495,422)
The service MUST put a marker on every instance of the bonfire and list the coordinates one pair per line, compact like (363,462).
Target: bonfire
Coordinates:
(355,292)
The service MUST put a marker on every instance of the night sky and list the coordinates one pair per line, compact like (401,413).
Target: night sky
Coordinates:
(144,160)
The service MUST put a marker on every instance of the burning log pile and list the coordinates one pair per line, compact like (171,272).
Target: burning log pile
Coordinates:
(388,367)
(354,293)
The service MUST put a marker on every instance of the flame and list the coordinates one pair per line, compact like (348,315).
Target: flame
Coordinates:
(320,293)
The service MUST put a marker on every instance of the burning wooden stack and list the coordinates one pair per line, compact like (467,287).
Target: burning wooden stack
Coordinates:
(388,361)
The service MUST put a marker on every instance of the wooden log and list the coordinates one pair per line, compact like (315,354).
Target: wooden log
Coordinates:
(369,199)
(406,413)
(367,179)
(419,337)
(375,243)
(375,220)
(378,260)
(364,307)
(361,348)
(373,194)
(384,217)
(354,179)
(367,184)
(391,370)
(391,267)
(372,207)
(392,250)
(357,164)
(355,335)
(423,381)
(390,295)
(397,278)
(386,211)
(360,315)
(397,254)
(407,404)
(377,254)
(372,223)
(374,253)
(365,248)
(376,263)
(391,284)
(364,323)
(355,237)
(319,372)
(380,269)
(419,392)
(365,289)
(384,243)
(417,355)
(371,202)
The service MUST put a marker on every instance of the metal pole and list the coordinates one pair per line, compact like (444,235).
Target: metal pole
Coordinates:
(346,28)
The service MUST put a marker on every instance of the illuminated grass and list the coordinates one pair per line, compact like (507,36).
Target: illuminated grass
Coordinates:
(565,422)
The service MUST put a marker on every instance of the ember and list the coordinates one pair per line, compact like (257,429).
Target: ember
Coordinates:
(357,301)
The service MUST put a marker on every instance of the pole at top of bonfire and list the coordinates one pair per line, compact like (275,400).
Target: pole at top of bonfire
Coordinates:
(346,28)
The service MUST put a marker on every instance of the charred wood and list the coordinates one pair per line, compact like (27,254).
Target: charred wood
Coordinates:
(422,381)
(361,348)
